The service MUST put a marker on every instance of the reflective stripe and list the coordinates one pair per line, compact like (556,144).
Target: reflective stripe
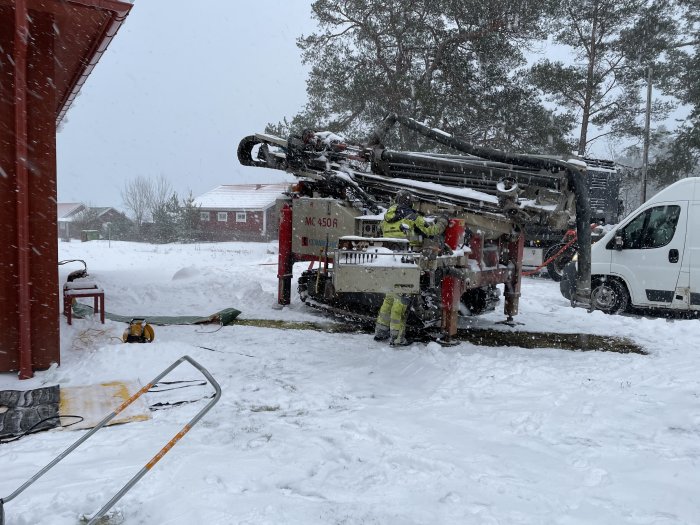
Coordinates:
(394,312)
(384,318)
(411,226)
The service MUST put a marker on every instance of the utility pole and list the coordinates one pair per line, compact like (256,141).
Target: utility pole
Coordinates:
(645,160)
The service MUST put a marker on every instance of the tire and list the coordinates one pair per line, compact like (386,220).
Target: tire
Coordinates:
(480,300)
(555,269)
(609,295)
(567,285)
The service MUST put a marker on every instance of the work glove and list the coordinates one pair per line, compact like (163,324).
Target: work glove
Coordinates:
(442,221)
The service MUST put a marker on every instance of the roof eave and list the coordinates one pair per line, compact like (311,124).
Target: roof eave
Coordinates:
(119,11)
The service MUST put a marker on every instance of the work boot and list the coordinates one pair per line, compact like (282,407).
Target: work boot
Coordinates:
(381,333)
(402,341)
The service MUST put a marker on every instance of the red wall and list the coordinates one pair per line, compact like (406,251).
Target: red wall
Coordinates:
(47,48)
(42,252)
(251,230)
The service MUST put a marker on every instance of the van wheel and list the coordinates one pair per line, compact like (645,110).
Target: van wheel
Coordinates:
(609,295)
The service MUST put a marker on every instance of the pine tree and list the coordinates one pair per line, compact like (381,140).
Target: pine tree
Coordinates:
(602,82)
(189,225)
(451,64)
(165,220)
(121,228)
(678,75)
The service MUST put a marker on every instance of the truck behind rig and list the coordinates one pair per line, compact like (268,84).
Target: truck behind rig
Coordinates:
(331,217)
(543,243)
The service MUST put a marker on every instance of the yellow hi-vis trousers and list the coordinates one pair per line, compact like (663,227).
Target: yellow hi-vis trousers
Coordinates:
(392,316)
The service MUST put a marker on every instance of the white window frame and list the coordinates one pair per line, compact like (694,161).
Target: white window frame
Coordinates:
(241,216)
(222,216)
(204,216)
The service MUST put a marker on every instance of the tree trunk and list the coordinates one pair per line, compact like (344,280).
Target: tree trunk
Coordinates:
(586,109)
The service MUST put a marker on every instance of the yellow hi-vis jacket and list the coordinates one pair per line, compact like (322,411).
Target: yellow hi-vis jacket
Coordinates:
(402,222)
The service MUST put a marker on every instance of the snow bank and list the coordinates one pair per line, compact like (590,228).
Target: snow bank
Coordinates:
(317,428)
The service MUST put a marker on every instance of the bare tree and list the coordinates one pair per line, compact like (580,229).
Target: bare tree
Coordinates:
(137,196)
(87,219)
(161,191)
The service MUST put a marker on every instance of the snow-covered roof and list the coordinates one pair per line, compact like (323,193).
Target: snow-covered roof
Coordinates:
(241,196)
(65,210)
(100,211)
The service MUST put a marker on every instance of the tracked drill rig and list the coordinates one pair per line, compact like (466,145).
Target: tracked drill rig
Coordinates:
(332,214)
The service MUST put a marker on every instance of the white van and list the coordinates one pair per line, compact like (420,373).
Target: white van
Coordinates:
(652,258)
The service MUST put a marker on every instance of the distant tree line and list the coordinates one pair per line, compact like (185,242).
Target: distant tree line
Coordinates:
(466,67)
(159,214)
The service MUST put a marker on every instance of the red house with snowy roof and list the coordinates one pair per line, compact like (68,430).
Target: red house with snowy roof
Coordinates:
(240,212)
(70,212)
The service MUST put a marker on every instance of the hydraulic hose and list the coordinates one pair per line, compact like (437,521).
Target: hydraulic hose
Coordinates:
(576,179)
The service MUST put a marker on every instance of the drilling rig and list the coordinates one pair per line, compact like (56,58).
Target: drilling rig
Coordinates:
(332,214)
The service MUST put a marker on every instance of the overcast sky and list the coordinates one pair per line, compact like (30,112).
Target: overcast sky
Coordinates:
(180,85)
(177,89)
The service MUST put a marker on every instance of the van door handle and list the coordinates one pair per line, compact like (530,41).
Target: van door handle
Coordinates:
(673,255)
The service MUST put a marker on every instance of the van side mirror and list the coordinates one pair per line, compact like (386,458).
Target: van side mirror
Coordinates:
(618,243)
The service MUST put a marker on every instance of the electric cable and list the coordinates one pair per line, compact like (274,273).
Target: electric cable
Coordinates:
(222,352)
(31,430)
(221,325)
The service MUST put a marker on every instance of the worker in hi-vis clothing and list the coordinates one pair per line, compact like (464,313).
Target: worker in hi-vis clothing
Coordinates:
(401,221)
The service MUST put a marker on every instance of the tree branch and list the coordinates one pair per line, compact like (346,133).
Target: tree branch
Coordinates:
(599,136)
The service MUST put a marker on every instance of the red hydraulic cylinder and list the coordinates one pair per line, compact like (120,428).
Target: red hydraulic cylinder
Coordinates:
(452,287)
(285,260)
(454,233)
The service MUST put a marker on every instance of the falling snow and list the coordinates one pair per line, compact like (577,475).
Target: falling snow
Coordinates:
(318,428)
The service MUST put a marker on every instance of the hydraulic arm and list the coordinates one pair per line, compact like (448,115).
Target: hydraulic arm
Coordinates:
(491,189)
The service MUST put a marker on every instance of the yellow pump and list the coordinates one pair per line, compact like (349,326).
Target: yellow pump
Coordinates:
(139,331)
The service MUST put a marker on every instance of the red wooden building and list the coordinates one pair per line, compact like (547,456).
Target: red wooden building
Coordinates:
(71,219)
(66,213)
(49,47)
(240,212)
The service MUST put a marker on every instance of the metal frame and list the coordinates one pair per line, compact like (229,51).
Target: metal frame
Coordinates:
(363,271)
(95,518)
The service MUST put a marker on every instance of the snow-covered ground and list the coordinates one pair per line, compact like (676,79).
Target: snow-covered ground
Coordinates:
(317,428)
